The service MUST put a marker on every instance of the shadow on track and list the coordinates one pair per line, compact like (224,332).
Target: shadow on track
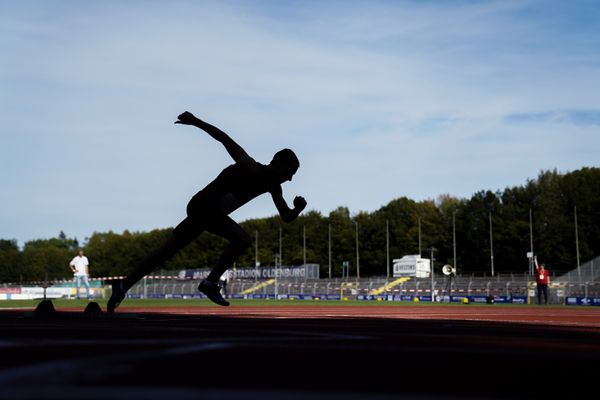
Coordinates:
(151,353)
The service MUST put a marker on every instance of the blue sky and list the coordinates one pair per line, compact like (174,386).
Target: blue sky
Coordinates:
(380,99)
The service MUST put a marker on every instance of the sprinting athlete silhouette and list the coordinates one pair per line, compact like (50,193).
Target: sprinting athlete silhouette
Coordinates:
(208,210)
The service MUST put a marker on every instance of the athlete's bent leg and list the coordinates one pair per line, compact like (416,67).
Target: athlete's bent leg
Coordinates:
(239,241)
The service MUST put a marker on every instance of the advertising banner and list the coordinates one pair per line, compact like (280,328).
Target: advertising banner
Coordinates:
(308,271)
(582,301)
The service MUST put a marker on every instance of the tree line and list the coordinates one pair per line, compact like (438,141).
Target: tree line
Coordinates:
(403,225)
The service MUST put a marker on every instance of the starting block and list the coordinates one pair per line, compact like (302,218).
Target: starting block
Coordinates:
(92,309)
(45,309)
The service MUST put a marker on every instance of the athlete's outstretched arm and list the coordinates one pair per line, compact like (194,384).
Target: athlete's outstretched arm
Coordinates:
(235,150)
(287,214)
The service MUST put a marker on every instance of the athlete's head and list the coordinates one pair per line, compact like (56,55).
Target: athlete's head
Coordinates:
(285,164)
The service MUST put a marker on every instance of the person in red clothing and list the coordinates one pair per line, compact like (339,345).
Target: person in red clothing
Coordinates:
(542,277)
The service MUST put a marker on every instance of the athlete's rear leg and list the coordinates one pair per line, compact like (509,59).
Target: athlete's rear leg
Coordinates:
(182,235)
(164,253)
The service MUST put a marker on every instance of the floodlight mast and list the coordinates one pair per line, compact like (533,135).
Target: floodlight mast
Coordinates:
(577,246)
(387,247)
(432,249)
(454,237)
(357,253)
(256,264)
(491,245)
(419,222)
(329,248)
(304,248)
(531,242)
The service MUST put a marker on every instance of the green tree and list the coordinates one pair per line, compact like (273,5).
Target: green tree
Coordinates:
(10,261)
(46,258)
(552,198)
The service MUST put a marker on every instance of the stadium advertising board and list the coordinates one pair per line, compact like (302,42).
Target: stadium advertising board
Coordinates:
(308,271)
(411,265)
(582,301)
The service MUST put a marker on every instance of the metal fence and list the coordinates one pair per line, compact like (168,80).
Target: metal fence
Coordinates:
(583,282)
(502,285)
(507,286)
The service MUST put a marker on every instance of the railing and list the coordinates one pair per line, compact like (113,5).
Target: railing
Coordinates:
(584,283)
(350,288)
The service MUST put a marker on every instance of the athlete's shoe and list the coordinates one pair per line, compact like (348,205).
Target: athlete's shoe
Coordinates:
(117,296)
(213,291)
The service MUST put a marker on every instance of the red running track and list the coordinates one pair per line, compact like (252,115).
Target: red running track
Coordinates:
(551,316)
(299,351)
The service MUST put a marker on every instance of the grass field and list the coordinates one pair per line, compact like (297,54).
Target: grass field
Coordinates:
(160,303)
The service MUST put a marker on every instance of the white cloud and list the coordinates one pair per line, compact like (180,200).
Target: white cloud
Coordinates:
(379,100)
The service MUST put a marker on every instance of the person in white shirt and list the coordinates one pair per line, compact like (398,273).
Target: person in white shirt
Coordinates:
(79,265)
